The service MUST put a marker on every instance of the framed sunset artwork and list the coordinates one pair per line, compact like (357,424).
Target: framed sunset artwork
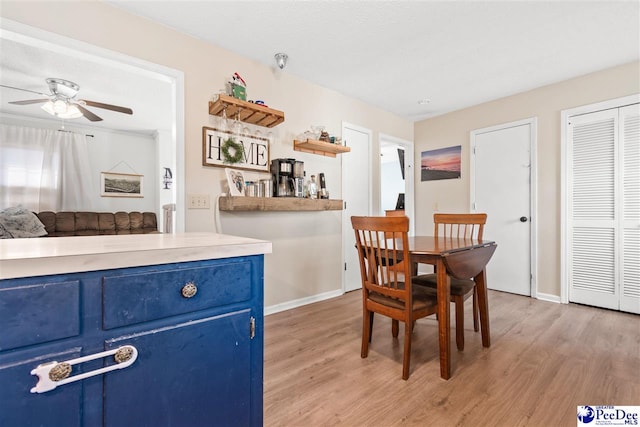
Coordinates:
(443,163)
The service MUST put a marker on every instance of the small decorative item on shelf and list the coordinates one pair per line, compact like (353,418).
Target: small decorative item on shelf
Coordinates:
(235,181)
(316,131)
(238,87)
(313,188)
(324,136)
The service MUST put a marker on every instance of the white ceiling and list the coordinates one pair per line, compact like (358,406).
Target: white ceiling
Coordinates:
(387,53)
(27,60)
(393,53)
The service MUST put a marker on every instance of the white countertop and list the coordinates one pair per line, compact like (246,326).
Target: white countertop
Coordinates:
(59,255)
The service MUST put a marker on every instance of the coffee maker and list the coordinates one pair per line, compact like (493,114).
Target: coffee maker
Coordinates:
(283,178)
(298,179)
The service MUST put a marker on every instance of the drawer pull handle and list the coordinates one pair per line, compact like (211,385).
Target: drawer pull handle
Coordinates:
(189,290)
(53,374)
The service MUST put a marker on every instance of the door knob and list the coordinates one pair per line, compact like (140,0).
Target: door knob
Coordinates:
(523,219)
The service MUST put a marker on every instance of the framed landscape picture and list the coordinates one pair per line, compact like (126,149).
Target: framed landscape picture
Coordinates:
(443,163)
(120,185)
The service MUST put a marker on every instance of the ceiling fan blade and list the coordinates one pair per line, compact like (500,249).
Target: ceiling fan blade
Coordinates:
(26,90)
(124,110)
(88,114)
(29,101)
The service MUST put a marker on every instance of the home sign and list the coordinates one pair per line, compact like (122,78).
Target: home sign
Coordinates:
(222,148)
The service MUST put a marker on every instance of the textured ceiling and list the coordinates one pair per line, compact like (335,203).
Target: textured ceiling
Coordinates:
(392,54)
(389,54)
(27,61)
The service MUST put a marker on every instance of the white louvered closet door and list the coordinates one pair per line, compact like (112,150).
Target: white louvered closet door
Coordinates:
(630,217)
(603,202)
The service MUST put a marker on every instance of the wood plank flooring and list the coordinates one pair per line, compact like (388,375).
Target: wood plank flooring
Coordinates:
(544,361)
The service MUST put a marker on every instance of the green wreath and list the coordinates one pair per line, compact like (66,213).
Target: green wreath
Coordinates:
(238,150)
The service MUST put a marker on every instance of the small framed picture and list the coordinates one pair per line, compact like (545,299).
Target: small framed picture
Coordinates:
(120,185)
(236,182)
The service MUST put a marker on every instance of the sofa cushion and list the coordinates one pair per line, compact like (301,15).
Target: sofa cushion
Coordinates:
(97,223)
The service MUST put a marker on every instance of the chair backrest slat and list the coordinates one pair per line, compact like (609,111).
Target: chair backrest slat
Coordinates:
(468,226)
(381,243)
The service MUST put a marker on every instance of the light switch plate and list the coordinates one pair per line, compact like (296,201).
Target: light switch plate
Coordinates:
(198,201)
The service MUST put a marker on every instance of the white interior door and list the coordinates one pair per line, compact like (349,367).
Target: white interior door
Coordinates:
(501,188)
(356,193)
(602,208)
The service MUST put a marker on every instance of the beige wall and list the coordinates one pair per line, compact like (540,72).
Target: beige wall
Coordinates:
(545,103)
(307,246)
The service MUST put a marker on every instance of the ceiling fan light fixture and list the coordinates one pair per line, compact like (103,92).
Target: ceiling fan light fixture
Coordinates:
(62,110)
(59,106)
(72,113)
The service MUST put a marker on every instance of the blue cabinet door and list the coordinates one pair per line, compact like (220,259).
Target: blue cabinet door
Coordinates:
(192,374)
(21,408)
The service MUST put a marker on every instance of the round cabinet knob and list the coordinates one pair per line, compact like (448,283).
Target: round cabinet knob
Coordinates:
(523,219)
(123,354)
(60,371)
(189,290)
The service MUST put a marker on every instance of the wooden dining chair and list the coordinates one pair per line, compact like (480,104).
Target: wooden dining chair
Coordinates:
(397,212)
(468,226)
(381,243)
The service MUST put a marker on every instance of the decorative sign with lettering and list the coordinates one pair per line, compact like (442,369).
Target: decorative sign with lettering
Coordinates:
(223,149)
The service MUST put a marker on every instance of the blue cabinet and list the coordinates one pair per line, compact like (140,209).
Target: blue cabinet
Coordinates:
(196,328)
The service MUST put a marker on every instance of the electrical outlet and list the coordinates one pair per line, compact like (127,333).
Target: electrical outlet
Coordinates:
(198,201)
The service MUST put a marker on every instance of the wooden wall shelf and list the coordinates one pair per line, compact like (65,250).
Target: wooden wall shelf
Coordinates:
(278,204)
(249,112)
(320,147)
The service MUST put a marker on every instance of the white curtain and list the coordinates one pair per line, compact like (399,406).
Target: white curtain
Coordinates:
(43,169)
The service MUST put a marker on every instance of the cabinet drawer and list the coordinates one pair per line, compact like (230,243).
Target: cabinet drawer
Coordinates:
(38,313)
(135,298)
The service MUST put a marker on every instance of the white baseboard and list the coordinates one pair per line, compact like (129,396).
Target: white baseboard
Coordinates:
(548,297)
(300,302)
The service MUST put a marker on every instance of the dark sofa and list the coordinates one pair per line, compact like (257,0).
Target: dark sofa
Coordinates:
(97,223)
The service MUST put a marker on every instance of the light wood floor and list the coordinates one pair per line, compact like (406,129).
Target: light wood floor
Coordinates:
(544,361)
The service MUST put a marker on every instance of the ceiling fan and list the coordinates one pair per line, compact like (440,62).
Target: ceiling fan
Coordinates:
(63,101)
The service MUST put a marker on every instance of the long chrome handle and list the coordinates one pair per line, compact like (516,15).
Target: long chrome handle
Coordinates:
(53,374)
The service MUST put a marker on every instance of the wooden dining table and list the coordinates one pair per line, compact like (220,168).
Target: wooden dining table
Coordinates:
(462,258)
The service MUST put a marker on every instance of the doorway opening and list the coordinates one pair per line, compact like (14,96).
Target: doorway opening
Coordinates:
(396,177)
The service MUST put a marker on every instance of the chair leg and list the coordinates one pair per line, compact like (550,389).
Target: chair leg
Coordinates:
(395,328)
(407,350)
(367,322)
(459,302)
(476,310)
(370,325)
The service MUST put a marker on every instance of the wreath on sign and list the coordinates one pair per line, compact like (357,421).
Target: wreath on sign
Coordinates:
(227,146)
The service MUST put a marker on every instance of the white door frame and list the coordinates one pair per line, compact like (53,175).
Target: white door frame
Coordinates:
(409,205)
(565,115)
(533,126)
(370,180)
